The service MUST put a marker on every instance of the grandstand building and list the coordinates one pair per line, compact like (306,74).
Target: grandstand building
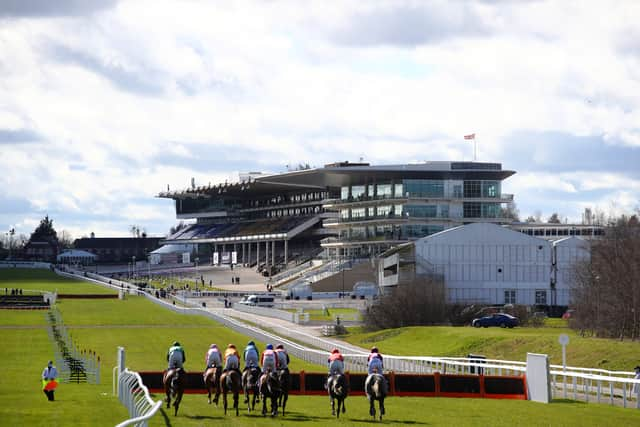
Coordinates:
(344,210)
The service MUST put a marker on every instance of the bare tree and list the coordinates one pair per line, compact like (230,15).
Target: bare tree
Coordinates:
(66,239)
(511,211)
(606,290)
(419,303)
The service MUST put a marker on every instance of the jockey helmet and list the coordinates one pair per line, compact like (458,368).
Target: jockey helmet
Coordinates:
(280,346)
(374,349)
(335,350)
(251,343)
(269,346)
(231,346)
(213,346)
(176,343)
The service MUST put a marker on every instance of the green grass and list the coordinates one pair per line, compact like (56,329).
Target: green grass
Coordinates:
(329,315)
(507,344)
(44,280)
(146,330)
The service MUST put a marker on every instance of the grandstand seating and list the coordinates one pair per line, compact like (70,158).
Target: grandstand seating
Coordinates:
(239,229)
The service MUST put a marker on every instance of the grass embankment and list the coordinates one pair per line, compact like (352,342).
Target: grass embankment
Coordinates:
(145,330)
(507,344)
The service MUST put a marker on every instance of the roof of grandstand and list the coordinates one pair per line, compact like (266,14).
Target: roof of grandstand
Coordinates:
(344,173)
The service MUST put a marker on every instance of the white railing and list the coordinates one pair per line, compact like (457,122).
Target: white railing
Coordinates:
(135,396)
(267,312)
(591,385)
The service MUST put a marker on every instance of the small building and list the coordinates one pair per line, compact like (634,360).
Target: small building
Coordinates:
(171,254)
(119,249)
(76,256)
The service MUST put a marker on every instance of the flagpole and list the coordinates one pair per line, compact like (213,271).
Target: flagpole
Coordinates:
(475,146)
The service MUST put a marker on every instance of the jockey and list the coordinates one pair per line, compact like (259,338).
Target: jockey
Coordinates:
(283,358)
(176,356)
(336,362)
(231,359)
(251,355)
(213,358)
(374,362)
(269,359)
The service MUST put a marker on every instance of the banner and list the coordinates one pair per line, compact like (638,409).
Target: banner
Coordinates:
(186,257)
(234,257)
(215,258)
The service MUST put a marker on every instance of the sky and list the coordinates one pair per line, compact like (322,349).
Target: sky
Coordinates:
(106,103)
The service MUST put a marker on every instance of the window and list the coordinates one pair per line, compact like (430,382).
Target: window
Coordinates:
(344,213)
(371,190)
(457,191)
(471,210)
(357,213)
(541,297)
(357,191)
(421,211)
(344,193)
(491,189)
(472,189)
(510,296)
(424,188)
(398,191)
(397,210)
(384,210)
(371,212)
(384,190)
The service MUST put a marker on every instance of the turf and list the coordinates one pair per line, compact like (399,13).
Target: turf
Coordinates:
(145,330)
(506,344)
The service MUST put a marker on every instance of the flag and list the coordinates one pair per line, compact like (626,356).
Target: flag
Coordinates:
(471,136)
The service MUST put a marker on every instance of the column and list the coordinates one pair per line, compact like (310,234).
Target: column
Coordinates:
(266,254)
(286,256)
(257,254)
(249,252)
(273,253)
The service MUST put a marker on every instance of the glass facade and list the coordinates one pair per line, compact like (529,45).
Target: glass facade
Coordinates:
(383,190)
(421,211)
(416,231)
(481,210)
(423,188)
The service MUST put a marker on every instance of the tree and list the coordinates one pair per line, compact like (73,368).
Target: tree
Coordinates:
(606,290)
(180,226)
(531,219)
(419,303)
(66,240)
(554,219)
(511,212)
(45,230)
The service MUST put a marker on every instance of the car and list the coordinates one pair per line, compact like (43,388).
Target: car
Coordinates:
(503,320)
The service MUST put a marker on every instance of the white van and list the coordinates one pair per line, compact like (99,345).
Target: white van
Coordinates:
(257,300)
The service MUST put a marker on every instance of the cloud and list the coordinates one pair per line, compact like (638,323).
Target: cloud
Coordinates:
(126,76)
(49,8)
(18,136)
(409,24)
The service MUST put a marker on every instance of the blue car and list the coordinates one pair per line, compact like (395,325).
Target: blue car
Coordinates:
(498,319)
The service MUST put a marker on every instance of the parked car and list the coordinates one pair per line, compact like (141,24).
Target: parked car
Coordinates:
(498,319)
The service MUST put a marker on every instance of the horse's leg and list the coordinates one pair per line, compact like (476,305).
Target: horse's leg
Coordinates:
(372,406)
(283,399)
(344,407)
(224,401)
(381,407)
(236,399)
(176,403)
(333,409)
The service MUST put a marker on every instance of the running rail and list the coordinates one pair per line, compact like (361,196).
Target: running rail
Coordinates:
(135,396)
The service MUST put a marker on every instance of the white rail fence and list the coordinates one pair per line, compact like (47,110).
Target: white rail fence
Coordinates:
(134,395)
(590,385)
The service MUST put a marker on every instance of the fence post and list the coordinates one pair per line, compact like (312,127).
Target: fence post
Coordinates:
(120,365)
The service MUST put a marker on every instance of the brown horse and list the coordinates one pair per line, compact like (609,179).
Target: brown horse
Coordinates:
(231,382)
(375,388)
(270,389)
(211,382)
(174,381)
(250,378)
(285,385)
(338,390)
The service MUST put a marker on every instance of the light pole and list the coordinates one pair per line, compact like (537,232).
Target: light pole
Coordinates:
(133,267)
(11,233)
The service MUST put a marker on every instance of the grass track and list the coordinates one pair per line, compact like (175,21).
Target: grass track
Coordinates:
(105,324)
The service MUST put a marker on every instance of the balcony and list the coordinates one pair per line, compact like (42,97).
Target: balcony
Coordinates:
(372,201)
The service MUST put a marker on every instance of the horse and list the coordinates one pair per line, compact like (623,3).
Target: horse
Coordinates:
(174,381)
(250,378)
(285,385)
(211,383)
(270,389)
(338,390)
(230,381)
(375,387)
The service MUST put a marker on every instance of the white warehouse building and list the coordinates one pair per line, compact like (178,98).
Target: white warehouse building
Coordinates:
(489,264)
